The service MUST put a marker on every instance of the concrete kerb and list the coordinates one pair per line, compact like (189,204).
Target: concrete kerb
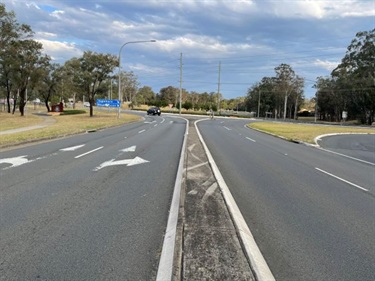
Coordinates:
(256,260)
(165,268)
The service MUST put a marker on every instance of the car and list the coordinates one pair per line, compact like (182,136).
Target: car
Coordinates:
(86,104)
(154,111)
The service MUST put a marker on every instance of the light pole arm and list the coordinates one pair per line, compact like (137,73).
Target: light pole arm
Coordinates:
(119,69)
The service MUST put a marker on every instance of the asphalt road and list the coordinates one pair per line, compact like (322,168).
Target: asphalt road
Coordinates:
(357,146)
(89,207)
(311,211)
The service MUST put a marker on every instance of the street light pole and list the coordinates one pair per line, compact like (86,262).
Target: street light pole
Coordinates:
(119,69)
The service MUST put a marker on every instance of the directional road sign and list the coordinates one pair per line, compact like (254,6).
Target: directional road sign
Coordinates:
(107,103)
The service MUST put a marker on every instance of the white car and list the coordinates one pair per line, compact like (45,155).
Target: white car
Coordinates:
(86,104)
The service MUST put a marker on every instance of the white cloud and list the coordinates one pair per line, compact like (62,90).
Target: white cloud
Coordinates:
(139,67)
(59,51)
(41,34)
(328,65)
(318,9)
(205,46)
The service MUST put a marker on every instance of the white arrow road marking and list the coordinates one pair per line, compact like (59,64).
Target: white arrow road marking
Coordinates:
(129,149)
(88,152)
(72,148)
(15,161)
(129,162)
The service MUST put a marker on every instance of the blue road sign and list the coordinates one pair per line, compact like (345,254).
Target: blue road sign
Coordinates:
(107,103)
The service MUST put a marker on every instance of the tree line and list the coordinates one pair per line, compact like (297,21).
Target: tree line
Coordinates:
(348,93)
(27,73)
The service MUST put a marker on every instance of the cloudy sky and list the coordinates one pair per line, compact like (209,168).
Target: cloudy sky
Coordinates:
(249,38)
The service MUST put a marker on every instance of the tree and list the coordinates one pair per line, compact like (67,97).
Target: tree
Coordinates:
(90,71)
(146,95)
(129,86)
(168,95)
(11,33)
(356,75)
(29,61)
(48,83)
(285,76)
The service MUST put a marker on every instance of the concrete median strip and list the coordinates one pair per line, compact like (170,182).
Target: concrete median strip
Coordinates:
(256,259)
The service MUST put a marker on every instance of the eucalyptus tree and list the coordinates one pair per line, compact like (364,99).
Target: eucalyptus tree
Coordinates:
(356,75)
(286,79)
(262,97)
(12,51)
(168,95)
(330,101)
(146,94)
(129,86)
(297,94)
(90,71)
(48,83)
(25,68)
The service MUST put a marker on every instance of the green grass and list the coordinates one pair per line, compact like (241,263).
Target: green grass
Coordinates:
(305,132)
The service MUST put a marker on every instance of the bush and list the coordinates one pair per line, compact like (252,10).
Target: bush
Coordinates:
(72,112)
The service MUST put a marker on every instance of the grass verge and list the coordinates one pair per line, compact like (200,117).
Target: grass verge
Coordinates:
(65,125)
(305,132)
(10,121)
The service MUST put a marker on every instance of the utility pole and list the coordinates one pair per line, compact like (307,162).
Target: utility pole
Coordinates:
(180,82)
(259,103)
(218,89)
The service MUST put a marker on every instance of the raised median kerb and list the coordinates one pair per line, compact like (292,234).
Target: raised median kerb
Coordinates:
(208,245)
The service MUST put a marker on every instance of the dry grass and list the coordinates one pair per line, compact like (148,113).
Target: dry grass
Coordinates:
(64,125)
(305,132)
(12,121)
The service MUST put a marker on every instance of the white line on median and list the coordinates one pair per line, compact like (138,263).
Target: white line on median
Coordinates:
(91,151)
(341,179)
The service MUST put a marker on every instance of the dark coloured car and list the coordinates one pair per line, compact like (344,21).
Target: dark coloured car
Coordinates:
(154,111)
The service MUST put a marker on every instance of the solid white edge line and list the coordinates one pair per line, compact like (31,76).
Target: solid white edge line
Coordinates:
(165,268)
(257,261)
(91,151)
(341,179)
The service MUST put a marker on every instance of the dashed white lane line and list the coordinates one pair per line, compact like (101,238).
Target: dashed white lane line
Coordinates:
(88,152)
(341,179)
(72,148)
(250,139)
(140,132)
(227,128)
